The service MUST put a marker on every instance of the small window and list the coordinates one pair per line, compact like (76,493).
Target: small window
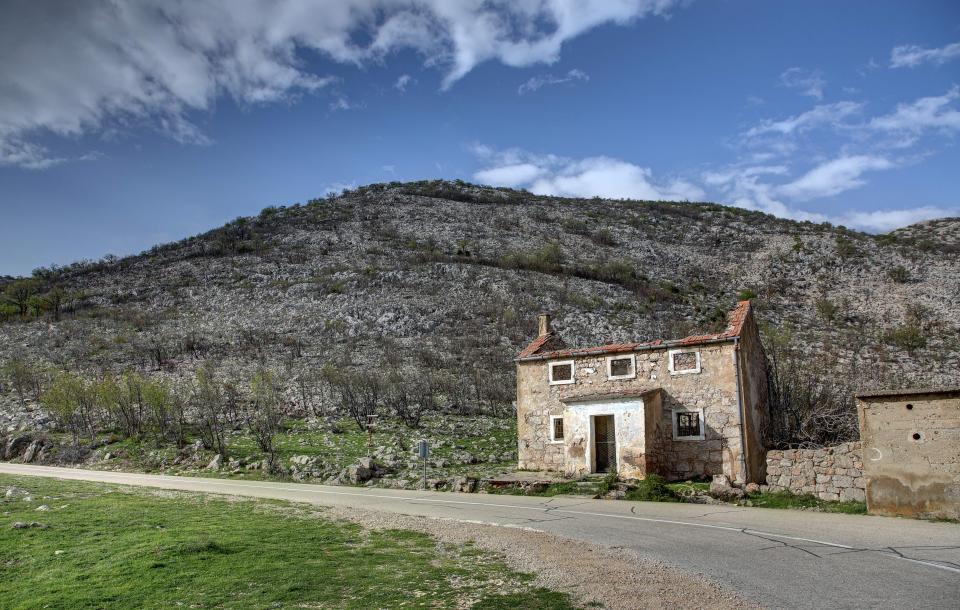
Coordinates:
(684,361)
(622,367)
(556,429)
(561,372)
(688,425)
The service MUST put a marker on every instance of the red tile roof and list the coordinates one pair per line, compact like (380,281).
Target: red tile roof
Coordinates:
(540,348)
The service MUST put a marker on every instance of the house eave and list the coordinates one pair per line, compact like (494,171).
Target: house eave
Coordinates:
(600,351)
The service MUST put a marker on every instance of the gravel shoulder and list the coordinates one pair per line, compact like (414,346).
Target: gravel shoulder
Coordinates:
(617,579)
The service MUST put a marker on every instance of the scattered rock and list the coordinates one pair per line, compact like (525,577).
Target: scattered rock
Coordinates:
(463,484)
(43,508)
(752,488)
(721,488)
(215,462)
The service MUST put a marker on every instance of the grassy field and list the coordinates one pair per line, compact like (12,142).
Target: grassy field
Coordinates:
(102,546)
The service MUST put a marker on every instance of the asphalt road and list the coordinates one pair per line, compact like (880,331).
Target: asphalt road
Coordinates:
(780,558)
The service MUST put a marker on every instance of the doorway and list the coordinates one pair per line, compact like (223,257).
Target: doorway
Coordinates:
(604,443)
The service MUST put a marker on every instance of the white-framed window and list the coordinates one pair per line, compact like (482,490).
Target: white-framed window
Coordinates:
(623,366)
(687,424)
(684,361)
(561,372)
(556,428)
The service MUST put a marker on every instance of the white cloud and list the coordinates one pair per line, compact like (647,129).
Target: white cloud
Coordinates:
(883,221)
(743,188)
(923,114)
(834,177)
(911,56)
(590,177)
(808,82)
(79,67)
(403,81)
(514,175)
(820,115)
(537,82)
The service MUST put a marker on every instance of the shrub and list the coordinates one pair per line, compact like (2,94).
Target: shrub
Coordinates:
(899,274)
(827,309)
(845,247)
(909,336)
(652,489)
(604,237)
(746,295)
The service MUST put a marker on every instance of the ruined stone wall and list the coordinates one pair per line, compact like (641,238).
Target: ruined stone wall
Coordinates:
(911,446)
(713,389)
(832,473)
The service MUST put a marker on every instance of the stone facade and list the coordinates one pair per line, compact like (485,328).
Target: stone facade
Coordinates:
(832,473)
(911,447)
(719,377)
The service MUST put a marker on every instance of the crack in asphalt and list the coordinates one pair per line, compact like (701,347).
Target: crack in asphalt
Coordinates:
(781,543)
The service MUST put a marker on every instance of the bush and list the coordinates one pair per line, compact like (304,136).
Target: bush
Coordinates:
(652,489)
(846,248)
(899,274)
(909,336)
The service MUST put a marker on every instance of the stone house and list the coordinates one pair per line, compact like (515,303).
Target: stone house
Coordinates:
(689,407)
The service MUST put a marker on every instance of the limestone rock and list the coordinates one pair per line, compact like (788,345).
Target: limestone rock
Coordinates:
(215,463)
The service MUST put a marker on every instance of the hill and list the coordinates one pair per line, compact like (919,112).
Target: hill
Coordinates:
(439,283)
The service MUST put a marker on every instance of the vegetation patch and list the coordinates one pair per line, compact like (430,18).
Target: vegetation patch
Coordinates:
(111,547)
(785,499)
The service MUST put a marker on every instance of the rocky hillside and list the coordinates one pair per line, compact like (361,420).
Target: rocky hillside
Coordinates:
(440,278)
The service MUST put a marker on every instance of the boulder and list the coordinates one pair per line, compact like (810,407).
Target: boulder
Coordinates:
(752,488)
(215,462)
(721,488)
(16,445)
(32,451)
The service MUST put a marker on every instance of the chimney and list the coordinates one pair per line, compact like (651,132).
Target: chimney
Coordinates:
(544,320)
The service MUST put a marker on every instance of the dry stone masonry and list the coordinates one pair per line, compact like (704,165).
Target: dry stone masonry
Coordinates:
(831,473)
(681,409)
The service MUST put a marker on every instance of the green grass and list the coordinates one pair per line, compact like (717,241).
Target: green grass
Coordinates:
(785,499)
(653,489)
(114,547)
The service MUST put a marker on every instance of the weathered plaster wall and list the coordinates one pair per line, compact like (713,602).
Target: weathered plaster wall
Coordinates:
(911,448)
(831,473)
(630,429)
(713,390)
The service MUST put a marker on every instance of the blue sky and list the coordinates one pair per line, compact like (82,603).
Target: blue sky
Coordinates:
(125,126)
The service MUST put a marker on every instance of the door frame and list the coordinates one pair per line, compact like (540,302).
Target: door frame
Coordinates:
(592,442)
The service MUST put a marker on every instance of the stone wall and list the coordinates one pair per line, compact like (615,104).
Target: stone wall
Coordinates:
(831,473)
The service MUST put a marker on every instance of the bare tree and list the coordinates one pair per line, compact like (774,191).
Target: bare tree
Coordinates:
(209,404)
(408,400)
(265,413)
(358,393)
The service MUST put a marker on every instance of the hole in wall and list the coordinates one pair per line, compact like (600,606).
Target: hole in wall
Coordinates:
(909,407)
(916,436)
